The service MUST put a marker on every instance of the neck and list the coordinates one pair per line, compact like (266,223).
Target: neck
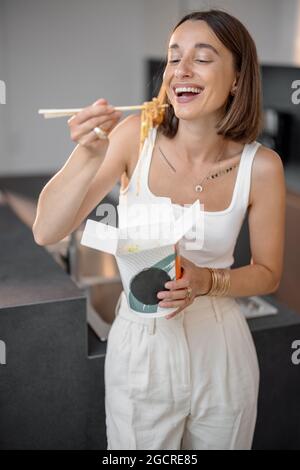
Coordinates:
(198,141)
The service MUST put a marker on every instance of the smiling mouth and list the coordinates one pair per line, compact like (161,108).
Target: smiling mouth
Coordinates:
(186,96)
(187,93)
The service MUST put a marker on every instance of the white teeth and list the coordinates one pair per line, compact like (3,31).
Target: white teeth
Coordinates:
(187,89)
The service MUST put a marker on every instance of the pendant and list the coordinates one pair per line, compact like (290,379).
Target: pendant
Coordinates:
(198,188)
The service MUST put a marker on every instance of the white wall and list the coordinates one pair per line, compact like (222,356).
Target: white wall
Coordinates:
(159,17)
(65,53)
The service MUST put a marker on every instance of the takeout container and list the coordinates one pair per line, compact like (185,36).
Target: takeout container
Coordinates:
(145,255)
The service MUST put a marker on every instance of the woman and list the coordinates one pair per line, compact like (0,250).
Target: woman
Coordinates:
(189,381)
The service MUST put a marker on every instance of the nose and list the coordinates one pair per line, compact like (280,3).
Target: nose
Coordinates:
(183,69)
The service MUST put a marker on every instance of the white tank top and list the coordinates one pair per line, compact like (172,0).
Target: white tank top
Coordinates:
(221,228)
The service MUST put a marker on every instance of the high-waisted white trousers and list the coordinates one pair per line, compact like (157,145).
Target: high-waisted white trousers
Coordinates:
(190,382)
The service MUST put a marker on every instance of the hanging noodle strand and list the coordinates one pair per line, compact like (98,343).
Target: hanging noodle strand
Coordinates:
(152,115)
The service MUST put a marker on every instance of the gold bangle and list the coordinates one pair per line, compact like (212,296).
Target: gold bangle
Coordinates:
(213,281)
(220,282)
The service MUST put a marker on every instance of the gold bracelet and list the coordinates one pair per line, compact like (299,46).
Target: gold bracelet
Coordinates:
(220,282)
(226,282)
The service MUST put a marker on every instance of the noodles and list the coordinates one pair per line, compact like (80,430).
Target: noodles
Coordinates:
(152,115)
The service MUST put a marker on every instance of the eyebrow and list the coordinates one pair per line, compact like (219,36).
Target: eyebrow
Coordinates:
(198,45)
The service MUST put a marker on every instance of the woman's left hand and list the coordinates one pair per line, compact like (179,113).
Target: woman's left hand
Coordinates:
(195,277)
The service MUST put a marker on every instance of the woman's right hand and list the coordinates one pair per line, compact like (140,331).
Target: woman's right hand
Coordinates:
(99,114)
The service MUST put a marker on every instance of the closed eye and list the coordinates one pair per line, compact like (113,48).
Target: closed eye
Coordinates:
(197,60)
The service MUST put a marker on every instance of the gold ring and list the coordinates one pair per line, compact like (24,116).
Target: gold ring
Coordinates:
(188,292)
(101,134)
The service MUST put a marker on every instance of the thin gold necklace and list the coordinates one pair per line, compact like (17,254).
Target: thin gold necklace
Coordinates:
(199,186)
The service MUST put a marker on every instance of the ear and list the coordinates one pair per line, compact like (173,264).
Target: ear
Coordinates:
(235,82)
(234,87)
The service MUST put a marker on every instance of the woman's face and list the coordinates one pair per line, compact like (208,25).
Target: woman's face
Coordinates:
(197,58)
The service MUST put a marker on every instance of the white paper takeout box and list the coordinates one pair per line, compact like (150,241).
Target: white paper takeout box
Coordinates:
(145,255)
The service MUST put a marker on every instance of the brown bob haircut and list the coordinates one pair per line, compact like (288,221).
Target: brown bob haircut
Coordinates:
(242,119)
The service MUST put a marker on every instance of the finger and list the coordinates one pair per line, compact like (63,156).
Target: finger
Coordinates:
(92,137)
(168,317)
(87,133)
(172,304)
(90,112)
(89,139)
(89,124)
(98,102)
(177,283)
(172,295)
(171,315)
(104,121)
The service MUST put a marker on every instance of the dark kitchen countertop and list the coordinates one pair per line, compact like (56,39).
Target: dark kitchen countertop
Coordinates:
(284,318)
(28,186)
(28,274)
